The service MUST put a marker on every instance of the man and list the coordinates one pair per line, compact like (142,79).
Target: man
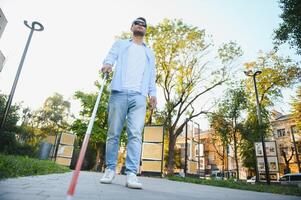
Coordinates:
(133,81)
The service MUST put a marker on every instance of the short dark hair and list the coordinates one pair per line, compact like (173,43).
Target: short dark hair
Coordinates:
(140,19)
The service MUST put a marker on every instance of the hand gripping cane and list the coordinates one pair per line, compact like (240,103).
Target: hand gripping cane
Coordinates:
(75,175)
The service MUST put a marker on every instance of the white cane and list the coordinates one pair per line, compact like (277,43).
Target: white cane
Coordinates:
(75,175)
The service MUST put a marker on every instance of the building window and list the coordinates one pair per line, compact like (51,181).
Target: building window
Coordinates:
(211,157)
(201,147)
(281,132)
(183,150)
(188,150)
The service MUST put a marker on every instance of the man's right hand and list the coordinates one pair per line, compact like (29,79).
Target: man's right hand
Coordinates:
(106,68)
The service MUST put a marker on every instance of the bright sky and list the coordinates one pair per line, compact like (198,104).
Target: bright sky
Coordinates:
(67,55)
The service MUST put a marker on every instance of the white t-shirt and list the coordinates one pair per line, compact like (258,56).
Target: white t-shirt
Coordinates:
(135,68)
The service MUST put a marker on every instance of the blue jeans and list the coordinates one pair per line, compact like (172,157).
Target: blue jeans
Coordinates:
(123,105)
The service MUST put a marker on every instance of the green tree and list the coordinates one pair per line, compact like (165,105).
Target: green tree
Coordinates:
(12,117)
(277,73)
(290,29)
(29,132)
(250,133)
(183,73)
(296,108)
(7,134)
(227,121)
(222,130)
(53,117)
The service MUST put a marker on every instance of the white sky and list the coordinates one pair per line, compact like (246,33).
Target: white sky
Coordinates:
(67,55)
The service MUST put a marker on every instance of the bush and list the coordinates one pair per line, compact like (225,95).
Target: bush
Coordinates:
(89,159)
(260,187)
(15,166)
(7,142)
(25,150)
(9,145)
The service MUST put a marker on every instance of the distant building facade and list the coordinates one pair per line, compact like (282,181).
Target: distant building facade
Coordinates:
(283,129)
(3,22)
(213,159)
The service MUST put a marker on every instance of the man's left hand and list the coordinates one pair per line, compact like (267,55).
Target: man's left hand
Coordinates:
(153,102)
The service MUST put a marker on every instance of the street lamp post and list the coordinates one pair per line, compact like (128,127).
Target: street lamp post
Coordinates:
(35,26)
(199,154)
(186,146)
(198,142)
(250,73)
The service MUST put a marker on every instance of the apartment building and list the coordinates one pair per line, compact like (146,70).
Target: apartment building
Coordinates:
(205,151)
(286,135)
(3,22)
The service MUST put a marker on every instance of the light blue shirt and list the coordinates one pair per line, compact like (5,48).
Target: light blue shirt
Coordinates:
(135,68)
(118,57)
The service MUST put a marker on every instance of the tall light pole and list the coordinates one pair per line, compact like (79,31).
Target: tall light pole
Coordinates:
(250,73)
(198,125)
(186,146)
(35,26)
(199,156)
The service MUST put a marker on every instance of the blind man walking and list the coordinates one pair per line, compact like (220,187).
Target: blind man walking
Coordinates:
(133,81)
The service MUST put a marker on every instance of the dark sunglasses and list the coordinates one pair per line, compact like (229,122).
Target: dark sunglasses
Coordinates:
(139,23)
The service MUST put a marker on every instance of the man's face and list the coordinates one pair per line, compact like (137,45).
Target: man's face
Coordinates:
(138,28)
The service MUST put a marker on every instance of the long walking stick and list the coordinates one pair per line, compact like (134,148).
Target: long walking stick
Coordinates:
(75,175)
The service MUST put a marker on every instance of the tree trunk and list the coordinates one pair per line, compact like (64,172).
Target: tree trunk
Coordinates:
(96,165)
(171,153)
(99,161)
(223,163)
(287,161)
(235,155)
(287,169)
(102,157)
(226,163)
(149,121)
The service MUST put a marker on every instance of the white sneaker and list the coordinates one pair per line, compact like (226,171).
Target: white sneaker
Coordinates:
(108,176)
(132,181)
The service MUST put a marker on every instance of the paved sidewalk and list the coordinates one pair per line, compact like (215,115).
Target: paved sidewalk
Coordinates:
(54,187)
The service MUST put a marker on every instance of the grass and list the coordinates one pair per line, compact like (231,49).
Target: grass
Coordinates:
(261,187)
(16,166)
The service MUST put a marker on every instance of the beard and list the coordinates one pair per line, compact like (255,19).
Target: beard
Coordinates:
(138,33)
